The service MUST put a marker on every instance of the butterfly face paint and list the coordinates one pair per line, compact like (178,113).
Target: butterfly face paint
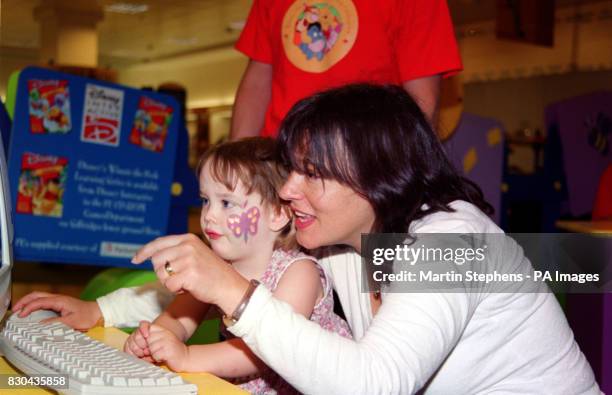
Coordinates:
(245,223)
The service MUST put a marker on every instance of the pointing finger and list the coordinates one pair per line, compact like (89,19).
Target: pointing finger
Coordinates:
(151,248)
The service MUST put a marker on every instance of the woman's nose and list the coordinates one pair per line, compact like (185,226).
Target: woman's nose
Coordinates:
(291,188)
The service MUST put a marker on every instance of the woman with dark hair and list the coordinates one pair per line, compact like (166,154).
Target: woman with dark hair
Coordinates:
(364,159)
(377,142)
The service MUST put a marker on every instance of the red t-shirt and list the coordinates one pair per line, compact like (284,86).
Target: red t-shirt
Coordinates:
(603,201)
(317,44)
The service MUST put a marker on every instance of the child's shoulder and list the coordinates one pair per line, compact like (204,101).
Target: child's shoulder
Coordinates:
(280,262)
(287,257)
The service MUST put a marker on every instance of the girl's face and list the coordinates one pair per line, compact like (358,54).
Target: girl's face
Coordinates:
(236,224)
(327,212)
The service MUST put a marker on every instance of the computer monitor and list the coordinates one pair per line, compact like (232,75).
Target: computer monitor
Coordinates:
(6,232)
(5,126)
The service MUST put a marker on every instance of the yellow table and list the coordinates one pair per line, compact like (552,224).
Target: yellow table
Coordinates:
(207,383)
(592,227)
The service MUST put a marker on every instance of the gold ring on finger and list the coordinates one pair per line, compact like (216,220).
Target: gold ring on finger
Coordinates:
(168,268)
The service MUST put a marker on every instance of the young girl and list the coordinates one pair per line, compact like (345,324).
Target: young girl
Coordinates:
(246,224)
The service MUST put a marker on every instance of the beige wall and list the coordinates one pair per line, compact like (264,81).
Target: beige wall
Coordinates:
(521,102)
(581,43)
(507,80)
(211,78)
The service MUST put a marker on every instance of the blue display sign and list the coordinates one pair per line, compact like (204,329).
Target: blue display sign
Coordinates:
(91,167)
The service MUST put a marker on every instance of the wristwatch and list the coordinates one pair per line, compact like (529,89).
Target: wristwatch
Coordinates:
(232,319)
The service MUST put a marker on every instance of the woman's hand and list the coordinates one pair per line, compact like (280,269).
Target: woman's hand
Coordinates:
(165,347)
(76,313)
(137,343)
(185,263)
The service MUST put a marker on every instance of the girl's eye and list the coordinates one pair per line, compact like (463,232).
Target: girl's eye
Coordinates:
(204,200)
(227,204)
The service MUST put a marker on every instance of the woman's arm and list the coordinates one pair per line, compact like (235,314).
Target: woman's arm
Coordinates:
(406,342)
(300,287)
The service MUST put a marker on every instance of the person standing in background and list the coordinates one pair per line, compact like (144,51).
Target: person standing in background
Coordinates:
(299,47)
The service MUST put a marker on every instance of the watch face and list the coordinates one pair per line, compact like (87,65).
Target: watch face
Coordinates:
(227,321)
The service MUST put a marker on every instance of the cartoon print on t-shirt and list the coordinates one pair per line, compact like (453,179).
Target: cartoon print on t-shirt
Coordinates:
(317,42)
(318,34)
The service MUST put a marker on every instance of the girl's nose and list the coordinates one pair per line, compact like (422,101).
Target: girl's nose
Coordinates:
(207,215)
(291,188)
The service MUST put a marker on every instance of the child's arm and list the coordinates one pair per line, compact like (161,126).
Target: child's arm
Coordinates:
(181,319)
(76,313)
(231,358)
(183,316)
(300,286)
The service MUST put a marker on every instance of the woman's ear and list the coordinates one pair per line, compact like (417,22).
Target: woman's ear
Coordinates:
(279,218)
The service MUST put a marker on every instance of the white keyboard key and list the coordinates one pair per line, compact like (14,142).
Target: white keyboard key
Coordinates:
(176,380)
(93,368)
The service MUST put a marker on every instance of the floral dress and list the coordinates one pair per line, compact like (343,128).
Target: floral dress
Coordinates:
(323,314)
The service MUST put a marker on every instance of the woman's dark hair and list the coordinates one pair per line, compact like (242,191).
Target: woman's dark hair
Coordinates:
(376,140)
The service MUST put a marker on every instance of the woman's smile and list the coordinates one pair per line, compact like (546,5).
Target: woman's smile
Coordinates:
(303,220)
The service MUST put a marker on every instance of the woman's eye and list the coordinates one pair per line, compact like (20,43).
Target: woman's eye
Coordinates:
(204,200)
(227,204)
(311,172)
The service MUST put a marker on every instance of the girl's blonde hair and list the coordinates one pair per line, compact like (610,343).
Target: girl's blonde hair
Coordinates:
(252,161)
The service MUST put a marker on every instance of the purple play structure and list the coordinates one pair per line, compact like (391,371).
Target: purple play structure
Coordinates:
(584,124)
(585,127)
(476,148)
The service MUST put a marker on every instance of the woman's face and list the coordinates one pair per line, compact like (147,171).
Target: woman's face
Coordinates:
(327,212)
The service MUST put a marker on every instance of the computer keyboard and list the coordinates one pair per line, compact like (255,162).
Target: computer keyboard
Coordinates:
(91,367)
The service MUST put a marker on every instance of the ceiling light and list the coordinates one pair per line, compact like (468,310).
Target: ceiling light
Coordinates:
(127,8)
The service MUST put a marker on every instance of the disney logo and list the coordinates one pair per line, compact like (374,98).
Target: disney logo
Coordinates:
(36,159)
(99,93)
